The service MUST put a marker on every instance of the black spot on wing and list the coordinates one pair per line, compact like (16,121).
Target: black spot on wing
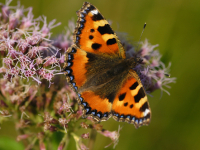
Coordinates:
(122,96)
(131,106)
(111,41)
(105,29)
(148,115)
(139,95)
(96,46)
(97,17)
(111,97)
(91,7)
(91,37)
(125,104)
(134,86)
(91,30)
(144,107)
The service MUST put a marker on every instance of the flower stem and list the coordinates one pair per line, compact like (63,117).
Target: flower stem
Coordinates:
(93,135)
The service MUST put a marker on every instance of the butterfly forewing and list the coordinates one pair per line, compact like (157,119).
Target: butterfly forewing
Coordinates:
(94,34)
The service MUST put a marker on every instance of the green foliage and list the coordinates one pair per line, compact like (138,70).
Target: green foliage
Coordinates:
(10,143)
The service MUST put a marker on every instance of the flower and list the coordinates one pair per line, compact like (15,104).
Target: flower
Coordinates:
(114,136)
(24,45)
(152,71)
(85,135)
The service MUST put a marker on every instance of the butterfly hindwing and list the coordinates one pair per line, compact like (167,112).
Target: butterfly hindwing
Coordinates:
(130,104)
(95,106)
(75,67)
(94,34)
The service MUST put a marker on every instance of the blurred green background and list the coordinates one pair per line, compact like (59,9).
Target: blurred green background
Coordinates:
(175,26)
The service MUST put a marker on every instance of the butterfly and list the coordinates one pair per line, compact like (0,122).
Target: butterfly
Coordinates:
(99,72)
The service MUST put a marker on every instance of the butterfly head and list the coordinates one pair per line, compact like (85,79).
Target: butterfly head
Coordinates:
(139,60)
(132,62)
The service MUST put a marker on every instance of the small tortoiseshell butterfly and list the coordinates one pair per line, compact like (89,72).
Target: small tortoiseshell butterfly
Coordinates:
(98,70)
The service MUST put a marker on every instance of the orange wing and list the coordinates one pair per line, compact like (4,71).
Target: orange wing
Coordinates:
(94,34)
(130,104)
(94,106)
(75,68)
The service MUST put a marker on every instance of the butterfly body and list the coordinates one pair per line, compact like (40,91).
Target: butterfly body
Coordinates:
(98,70)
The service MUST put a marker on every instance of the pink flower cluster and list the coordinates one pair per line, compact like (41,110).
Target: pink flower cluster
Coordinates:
(26,50)
(152,71)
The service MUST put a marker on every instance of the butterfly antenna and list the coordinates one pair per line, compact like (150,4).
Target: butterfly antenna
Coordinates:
(141,35)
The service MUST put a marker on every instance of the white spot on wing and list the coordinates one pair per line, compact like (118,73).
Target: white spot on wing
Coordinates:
(94,12)
(146,112)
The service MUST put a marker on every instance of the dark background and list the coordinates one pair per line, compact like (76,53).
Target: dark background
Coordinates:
(175,26)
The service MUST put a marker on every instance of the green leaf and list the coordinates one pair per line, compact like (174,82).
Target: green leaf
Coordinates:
(7,143)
